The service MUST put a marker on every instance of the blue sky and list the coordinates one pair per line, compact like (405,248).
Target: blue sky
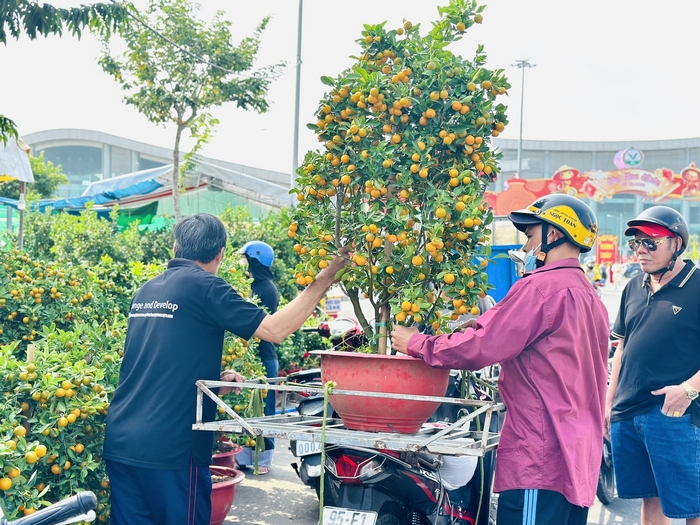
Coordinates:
(606,70)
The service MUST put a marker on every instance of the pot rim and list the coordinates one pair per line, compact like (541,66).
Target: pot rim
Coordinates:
(217,470)
(332,353)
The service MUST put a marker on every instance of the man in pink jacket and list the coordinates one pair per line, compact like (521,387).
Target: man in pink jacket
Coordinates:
(550,334)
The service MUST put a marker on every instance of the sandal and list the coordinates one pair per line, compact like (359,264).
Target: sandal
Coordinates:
(262,471)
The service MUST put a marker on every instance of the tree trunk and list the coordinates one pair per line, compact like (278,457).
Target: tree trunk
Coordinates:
(176,172)
(385,313)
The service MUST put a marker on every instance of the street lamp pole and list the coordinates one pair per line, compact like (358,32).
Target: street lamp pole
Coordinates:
(295,153)
(521,64)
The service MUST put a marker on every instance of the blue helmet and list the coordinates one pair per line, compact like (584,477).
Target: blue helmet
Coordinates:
(259,250)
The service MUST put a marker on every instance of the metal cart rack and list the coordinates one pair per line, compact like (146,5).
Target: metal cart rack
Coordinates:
(456,439)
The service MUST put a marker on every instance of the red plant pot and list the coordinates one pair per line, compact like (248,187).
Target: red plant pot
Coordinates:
(223,493)
(226,459)
(382,373)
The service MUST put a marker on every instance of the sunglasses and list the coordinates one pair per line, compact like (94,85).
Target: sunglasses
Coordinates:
(649,244)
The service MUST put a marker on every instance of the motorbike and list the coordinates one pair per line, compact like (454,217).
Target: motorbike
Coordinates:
(71,510)
(367,486)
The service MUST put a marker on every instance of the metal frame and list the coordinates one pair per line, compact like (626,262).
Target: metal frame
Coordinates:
(456,439)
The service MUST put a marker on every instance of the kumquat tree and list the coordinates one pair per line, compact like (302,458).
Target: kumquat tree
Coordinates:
(407,158)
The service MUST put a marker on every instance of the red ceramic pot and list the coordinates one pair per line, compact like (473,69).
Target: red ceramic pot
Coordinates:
(382,373)
(226,459)
(223,493)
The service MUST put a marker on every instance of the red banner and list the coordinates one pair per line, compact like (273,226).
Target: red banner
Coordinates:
(658,186)
(606,249)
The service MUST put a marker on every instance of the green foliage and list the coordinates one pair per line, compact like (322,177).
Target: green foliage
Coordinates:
(34,19)
(86,239)
(156,245)
(180,70)
(69,294)
(407,157)
(241,228)
(47,179)
(8,129)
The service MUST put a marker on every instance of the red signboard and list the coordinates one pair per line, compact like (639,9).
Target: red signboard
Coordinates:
(607,249)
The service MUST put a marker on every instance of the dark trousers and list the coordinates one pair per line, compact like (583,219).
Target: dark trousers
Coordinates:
(538,507)
(143,496)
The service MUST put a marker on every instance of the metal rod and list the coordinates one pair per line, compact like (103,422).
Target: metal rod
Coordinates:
(290,388)
(229,411)
(295,153)
(457,424)
(20,207)
(487,424)
(522,64)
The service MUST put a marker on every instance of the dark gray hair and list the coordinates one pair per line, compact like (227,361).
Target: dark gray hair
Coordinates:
(199,237)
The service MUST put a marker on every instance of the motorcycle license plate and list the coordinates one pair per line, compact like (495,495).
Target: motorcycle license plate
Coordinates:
(338,516)
(305,448)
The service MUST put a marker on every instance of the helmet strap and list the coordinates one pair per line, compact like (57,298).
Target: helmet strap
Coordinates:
(670,264)
(545,247)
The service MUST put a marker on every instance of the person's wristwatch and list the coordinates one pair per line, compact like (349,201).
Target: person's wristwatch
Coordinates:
(690,391)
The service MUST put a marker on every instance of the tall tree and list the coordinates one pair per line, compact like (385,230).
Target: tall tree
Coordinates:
(176,69)
(32,19)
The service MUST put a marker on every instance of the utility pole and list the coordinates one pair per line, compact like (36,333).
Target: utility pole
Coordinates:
(522,64)
(295,153)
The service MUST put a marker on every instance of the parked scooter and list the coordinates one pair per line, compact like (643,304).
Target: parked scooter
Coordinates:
(367,486)
(71,510)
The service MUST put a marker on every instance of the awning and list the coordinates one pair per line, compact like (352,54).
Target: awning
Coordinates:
(143,187)
(14,161)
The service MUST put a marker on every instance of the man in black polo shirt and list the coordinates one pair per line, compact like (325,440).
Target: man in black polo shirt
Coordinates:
(158,466)
(652,402)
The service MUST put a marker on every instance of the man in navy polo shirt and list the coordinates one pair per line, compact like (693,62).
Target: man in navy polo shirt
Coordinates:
(158,466)
(652,405)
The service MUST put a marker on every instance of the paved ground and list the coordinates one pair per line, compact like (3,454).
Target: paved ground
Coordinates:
(280,498)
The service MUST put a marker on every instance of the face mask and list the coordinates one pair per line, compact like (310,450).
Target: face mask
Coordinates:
(531,260)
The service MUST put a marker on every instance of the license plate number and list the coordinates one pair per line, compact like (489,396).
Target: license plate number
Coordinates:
(304,448)
(338,516)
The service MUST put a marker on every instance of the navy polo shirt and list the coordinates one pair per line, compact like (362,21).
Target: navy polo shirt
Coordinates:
(174,337)
(661,333)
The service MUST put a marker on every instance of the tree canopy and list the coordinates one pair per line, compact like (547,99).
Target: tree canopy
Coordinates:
(33,19)
(177,68)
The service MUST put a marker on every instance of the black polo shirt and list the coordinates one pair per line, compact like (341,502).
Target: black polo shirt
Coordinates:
(174,337)
(661,333)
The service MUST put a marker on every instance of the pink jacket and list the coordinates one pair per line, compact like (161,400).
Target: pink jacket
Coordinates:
(550,334)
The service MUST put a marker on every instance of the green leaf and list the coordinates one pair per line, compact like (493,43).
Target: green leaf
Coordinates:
(328,81)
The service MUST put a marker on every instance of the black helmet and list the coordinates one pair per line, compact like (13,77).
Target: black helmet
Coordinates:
(663,216)
(569,214)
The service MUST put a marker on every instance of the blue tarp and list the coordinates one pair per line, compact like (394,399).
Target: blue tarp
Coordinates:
(142,188)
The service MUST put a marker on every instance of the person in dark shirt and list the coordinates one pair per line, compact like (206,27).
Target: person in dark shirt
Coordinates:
(652,408)
(157,464)
(260,256)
